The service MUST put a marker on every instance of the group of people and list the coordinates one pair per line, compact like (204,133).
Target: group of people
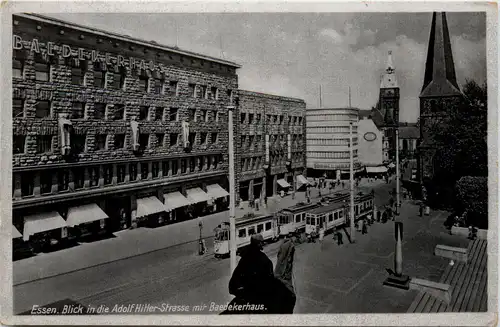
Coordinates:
(257,287)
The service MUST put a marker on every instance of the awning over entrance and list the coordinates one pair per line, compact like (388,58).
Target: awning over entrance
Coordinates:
(149,206)
(42,222)
(84,214)
(355,171)
(301,181)
(196,195)
(283,183)
(175,200)
(376,170)
(215,191)
(15,232)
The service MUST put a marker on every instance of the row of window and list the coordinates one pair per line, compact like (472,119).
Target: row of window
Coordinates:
(331,141)
(249,141)
(242,232)
(255,163)
(335,129)
(330,117)
(250,118)
(79,142)
(111,174)
(331,155)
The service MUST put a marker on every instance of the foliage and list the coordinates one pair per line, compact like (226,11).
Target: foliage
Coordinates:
(472,199)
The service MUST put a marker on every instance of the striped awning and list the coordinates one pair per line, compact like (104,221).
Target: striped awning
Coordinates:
(84,214)
(175,200)
(42,222)
(149,206)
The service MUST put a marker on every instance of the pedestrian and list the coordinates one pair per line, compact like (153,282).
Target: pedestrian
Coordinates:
(369,219)
(257,204)
(284,273)
(364,229)
(252,279)
(339,238)
(421,209)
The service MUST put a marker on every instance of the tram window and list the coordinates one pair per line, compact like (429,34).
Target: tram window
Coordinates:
(336,215)
(242,232)
(268,225)
(251,230)
(260,228)
(341,214)
(297,218)
(308,221)
(313,221)
(330,217)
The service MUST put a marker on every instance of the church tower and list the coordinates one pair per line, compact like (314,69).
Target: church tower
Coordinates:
(440,92)
(389,108)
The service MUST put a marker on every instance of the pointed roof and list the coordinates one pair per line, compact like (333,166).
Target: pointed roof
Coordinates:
(440,78)
(389,78)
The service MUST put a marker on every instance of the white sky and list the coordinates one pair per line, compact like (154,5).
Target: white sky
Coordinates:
(291,54)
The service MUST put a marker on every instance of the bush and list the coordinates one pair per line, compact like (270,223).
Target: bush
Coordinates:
(472,198)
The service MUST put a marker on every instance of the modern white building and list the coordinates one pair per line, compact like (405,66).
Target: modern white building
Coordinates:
(327,141)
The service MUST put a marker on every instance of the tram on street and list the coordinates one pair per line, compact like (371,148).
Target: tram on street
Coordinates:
(293,219)
(245,227)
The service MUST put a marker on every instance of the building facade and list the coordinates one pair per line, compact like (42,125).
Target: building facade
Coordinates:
(408,139)
(370,143)
(328,138)
(113,127)
(271,144)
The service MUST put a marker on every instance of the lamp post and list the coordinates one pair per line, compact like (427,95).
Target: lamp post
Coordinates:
(397,172)
(232,193)
(351,177)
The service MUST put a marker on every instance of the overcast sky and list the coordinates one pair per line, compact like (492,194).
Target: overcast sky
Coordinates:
(291,54)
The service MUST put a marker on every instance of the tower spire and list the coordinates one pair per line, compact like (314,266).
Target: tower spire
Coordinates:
(389,78)
(440,78)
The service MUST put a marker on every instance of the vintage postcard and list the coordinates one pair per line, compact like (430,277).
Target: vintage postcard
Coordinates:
(211,163)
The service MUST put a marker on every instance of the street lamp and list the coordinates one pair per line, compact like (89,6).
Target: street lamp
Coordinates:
(232,192)
(351,177)
(397,172)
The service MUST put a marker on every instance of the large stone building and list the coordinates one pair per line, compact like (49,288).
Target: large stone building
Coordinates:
(105,125)
(328,138)
(271,144)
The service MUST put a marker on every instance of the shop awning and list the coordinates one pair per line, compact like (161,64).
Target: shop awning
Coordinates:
(283,183)
(391,165)
(15,232)
(355,171)
(215,191)
(197,195)
(84,214)
(376,170)
(149,206)
(175,200)
(42,222)
(301,181)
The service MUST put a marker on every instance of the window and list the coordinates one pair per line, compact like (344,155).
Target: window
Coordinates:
(242,232)
(217,115)
(144,170)
(143,141)
(208,161)
(164,167)
(159,113)
(44,144)
(77,110)
(191,164)
(99,77)
(203,138)
(99,111)
(175,167)
(45,182)
(192,90)
(42,72)
(158,86)
(155,169)
(94,176)
(132,172)
(120,174)
(214,93)
(173,139)
(183,166)
(204,115)
(77,76)
(281,120)
(268,226)
(119,112)
(251,139)
(17,68)
(258,118)
(143,83)
(250,118)
(160,138)
(173,88)
(243,117)
(230,96)
(251,230)
(204,92)
(78,143)
(173,114)
(213,138)
(27,183)
(119,141)
(18,143)
(192,114)
(42,109)
(201,162)
(143,113)
(78,178)
(192,138)
(108,174)
(118,81)
(100,142)
(260,228)
(17,108)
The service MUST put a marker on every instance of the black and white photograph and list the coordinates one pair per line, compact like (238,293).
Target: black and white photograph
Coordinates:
(250,162)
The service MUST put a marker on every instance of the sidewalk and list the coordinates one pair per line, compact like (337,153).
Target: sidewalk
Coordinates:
(129,243)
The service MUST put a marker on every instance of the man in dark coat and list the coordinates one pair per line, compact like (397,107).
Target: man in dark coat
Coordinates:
(285,296)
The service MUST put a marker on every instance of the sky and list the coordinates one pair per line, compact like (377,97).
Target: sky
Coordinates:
(292,54)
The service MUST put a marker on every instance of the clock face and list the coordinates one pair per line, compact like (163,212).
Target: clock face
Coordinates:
(389,92)
(370,136)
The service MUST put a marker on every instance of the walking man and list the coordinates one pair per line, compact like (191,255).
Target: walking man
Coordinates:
(284,274)
(339,238)
(364,228)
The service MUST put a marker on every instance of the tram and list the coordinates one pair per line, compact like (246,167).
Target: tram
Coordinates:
(293,219)
(245,227)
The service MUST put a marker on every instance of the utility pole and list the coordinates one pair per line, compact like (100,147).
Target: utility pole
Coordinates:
(397,172)
(349,97)
(320,98)
(351,177)
(232,194)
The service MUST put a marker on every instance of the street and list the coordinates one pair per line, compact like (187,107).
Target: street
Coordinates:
(177,275)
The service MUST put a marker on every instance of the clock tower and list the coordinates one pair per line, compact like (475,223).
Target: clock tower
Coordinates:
(389,108)
(440,93)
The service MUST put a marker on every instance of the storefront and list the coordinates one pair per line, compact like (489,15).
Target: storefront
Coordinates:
(175,204)
(219,197)
(150,212)
(44,229)
(198,199)
(86,220)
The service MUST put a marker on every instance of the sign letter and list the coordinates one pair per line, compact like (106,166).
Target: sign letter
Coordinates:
(17,42)
(34,46)
(121,60)
(66,51)
(81,55)
(50,48)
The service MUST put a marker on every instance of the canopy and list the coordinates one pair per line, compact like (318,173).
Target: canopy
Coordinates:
(149,206)
(84,214)
(348,171)
(376,170)
(215,191)
(283,183)
(301,181)
(15,232)
(196,195)
(391,165)
(42,222)
(175,200)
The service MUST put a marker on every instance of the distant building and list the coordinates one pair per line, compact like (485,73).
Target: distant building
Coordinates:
(408,139)
(370,144)
(327,141)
